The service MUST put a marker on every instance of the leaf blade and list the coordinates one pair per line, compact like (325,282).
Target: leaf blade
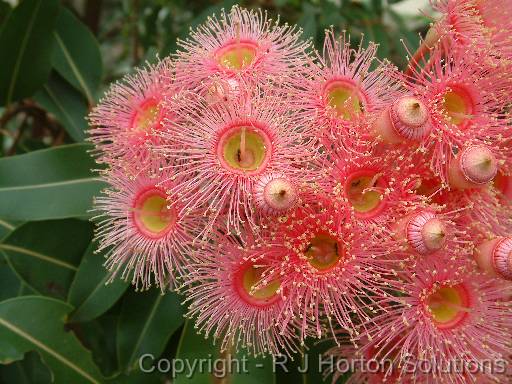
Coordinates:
(26,42)
(88,292)
(48,184)
(77,57)
(42,260)
(20,320)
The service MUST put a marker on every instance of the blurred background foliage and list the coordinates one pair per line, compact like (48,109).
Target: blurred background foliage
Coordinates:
(59,322)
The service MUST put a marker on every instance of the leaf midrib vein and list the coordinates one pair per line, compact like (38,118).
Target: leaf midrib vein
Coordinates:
(47,349)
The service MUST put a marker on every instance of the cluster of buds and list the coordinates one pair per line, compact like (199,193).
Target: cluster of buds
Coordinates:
(291,194)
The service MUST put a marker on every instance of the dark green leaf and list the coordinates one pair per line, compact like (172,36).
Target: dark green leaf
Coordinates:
(99,336)
(5,8)
(10,284)
(5,228)
(308,20)
(26,39)
(77,55)
(48,184)
(89,293)
(147,321)
(66,103)
(46,254)
(243,369)
(191,347)
(31,370)
(21,331)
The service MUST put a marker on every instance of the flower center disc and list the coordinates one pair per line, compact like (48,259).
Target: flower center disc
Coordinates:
(152,215)
(251,159)
(458,106)
(361,193)
(147,117)
(323,252)
(344,97)
(236,56)
(448,306)
(251,276)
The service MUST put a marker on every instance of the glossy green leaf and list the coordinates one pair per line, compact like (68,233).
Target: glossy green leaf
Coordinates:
(66,104)
(26,40)
(5,8)
(10,284)
(77,55)
(244,368)
(5,228)
(308,21)
(99,336)
(46,254)
(148,319)
(30,370)
(21,331)
(48,184)
(89,293)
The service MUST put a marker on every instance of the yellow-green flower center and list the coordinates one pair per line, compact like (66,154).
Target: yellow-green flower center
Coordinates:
(244,149)
(344,99)
(147,116)
(448,305)
(361,193)
(251,277)
(323,252)
(237,56)
(457,105)
(152,214)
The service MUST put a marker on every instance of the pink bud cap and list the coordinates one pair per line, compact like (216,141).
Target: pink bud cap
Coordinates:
(426,233)
(495,257)
(407,119)
(474,167)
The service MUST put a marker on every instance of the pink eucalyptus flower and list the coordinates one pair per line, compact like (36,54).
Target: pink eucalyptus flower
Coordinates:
(145,238)
(224,299)
(241,45)
(124,123)
(344,88)
(446,313)
(225,150)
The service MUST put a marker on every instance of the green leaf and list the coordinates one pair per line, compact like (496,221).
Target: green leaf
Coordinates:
(31,370)
(5,8)
(10,284)
(77,55)
(245,369)
(48,184)
(27,44)
(148,319)
(308,20)
(66,104)
(5,228)
(46,254)
(37,323)
(88,293)
(99,336)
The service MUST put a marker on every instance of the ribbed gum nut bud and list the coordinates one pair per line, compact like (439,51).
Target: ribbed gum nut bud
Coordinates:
(425,232)
(475,166)
(407,119)
(280,194)
(275,193)
(495,257)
